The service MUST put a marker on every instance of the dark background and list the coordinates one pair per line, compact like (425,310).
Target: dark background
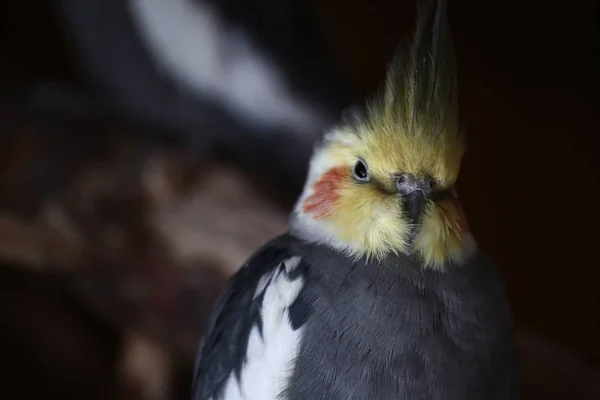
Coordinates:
(529,81)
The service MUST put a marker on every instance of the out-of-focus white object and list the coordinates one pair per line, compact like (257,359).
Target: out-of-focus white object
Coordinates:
(250,79)
(199,48)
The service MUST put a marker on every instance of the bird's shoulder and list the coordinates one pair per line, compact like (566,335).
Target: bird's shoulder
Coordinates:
(259,307)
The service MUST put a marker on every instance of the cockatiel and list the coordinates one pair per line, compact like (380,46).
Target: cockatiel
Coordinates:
(378,291)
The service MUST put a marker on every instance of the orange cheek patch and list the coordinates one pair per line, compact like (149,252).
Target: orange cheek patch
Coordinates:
(325,193)
(462,218)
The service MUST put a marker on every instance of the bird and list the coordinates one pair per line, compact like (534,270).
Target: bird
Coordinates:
(378,289)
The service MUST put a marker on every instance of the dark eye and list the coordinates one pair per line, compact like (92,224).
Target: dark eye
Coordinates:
(361,173)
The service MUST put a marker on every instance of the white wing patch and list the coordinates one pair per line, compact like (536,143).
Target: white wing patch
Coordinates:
(195,46)
(270,358)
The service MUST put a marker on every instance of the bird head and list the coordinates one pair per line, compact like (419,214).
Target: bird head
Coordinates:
(382,180)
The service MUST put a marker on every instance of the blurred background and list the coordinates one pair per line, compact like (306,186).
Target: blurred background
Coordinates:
(148,147)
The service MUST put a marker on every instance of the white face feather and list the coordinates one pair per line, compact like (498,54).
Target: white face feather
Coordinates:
(197,48)
(270,358)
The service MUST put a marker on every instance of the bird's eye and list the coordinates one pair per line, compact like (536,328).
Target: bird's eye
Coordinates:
(361,173)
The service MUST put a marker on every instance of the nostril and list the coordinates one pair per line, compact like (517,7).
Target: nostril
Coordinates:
(401,179)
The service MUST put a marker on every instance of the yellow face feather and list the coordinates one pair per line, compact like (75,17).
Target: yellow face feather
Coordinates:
(369,218)
(410,127)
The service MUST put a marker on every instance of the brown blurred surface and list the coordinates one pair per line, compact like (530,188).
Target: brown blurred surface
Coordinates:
(113,248)
(113,256)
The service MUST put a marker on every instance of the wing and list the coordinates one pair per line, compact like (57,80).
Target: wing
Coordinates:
(255,328)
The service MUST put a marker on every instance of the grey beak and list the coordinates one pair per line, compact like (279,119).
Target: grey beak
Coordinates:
(415,191)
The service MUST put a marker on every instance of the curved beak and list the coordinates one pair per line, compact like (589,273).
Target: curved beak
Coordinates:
(415,202)
(415,192)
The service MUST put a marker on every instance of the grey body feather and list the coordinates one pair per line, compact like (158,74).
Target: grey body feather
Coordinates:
(396,331)
(382,331)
